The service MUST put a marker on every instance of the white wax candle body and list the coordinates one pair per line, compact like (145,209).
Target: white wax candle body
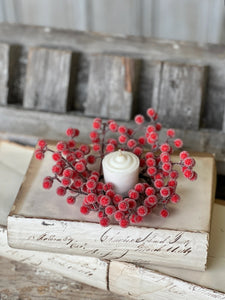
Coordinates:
(122,169)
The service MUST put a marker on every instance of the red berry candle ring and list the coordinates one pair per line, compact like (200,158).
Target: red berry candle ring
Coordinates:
(121,179)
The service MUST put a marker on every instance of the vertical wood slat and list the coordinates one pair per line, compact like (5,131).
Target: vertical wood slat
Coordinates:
(17,74)
(111,87)
(48,79)
(4,72)
(178,95)
(214,107)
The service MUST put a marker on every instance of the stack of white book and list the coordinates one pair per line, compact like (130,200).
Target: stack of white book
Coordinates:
(171,249)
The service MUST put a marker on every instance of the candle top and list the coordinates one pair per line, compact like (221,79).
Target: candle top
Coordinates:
(121,161)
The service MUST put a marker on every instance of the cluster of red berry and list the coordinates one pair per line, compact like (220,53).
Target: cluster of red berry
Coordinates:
(157,176)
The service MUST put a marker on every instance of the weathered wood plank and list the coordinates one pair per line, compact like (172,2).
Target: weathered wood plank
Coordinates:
(47,81)
(177,95)
(146,84)
(80,88)
(17,74)
(20,281)
(213,114)
(4,73)
(111,87)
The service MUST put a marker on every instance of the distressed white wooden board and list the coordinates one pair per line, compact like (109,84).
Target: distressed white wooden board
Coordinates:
(71,232)
(139,283)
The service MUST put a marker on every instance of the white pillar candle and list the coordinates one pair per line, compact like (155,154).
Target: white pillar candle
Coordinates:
(122,169)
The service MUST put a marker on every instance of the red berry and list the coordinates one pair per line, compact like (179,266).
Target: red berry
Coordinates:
(99,186)
(79,167)
(84,210)
(61,190)
(91,198)
(61,146)
(150,200)
(142,140)
(77,183)
(104,222)
(158,126)
(56,156)
(139,119)
(117,198)
(173,174)
(151,171)
(131,143)
(172,183)
(85,149)
(124,223)
(122,129)
(165,147)
(138,219)
(149,191)
(183,155)
(130,131)
(165,157)
(100,214)
(93,135)
(139,187)
(118,215)
(178,143)
(113,126)
(150,162)
(164,213)
(66,181)
(175,198)
(70,132)
(164,191)
(170,133)
(138,151)
(109,148)
(150,112)
(153,136)
(91,159)
(194,176)
(71,144)
(123,205)
(122,139)
(112,141)
(47,182)
(132,203)
(133,194)
(97,123)
(42,144)
(158,183)
(166,167)
(110,193)
(188,173)
(57,169)
(91,184)
(71,200)
(105,200)
(39,154)
(142,211)
(109,210)
(189,162)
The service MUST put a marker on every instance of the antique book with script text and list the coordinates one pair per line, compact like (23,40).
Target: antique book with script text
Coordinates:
(41,220)
(135,281)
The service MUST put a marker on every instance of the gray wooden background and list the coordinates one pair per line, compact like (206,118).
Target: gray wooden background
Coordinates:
(193,20)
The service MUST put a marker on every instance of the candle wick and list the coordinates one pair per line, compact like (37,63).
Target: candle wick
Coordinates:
(120,153)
